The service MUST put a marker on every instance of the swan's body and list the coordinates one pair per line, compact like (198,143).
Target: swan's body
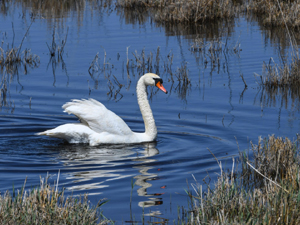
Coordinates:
(102,126)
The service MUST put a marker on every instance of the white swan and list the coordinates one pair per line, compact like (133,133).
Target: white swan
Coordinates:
(98,125)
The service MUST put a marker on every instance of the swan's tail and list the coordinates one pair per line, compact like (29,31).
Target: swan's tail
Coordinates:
(42,133)
(52,133)
(72,133)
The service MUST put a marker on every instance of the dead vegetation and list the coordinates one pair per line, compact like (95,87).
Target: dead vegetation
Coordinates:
(214,53)
(49,9)
(13,58)
(97,69)
(56,52)
(47,205)
(136,65)
(284,76)
(273,12)
(277,12)
(185,11)
(281,81)
(263,190)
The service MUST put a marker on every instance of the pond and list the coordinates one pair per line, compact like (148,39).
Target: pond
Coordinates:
(103,52)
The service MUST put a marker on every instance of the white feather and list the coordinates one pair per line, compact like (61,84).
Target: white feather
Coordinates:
(98,125)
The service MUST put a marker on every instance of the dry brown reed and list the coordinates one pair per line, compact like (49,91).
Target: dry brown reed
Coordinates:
(265,191)
(286,75)
(12,58)
(214,52)
(154,62)
(55,9)
(185,11)
(281,80)
(57,49)
(106,68)
(47,205)
(277,12)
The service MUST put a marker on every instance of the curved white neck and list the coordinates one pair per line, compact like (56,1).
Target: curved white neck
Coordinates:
(150,127)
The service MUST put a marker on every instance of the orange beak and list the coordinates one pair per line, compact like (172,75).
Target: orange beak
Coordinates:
(161,87)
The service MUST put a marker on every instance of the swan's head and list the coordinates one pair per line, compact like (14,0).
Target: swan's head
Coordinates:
(152,79)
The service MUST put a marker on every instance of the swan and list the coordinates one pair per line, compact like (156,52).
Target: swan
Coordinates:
(98,125)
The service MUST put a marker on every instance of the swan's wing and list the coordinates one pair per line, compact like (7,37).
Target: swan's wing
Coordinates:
(95,115)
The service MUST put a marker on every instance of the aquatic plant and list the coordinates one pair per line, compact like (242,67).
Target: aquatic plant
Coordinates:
(281,79)
(47,205)
(214,52)
(136,65)
(12,58)
(265,191)
(56,49)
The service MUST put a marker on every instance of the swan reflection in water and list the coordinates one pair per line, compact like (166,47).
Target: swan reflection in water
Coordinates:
(92,168)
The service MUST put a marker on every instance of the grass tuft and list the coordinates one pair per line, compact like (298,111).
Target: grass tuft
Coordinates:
(267,192)
(277,12)
(184,11)
(45,205)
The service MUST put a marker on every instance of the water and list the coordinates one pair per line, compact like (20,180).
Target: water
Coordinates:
(215,112)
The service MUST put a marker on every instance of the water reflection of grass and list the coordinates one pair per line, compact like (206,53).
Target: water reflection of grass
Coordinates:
(265,191)
(47,205)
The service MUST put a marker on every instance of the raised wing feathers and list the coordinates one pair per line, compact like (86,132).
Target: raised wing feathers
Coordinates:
(95,115)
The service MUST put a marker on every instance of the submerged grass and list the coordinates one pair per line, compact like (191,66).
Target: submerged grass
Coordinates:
(47,205)
(265,191)
(12,58)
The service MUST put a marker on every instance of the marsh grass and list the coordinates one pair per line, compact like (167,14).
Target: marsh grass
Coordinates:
(215,53)
(281,81)
(12,58)
(136,65)
(48,9)
(184,11)
(273,12)
(283,75)
(57,50)
(263,190)
(47,205)
(154,62)
(277,12)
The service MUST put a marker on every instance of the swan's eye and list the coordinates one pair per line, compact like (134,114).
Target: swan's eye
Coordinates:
(158,80)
